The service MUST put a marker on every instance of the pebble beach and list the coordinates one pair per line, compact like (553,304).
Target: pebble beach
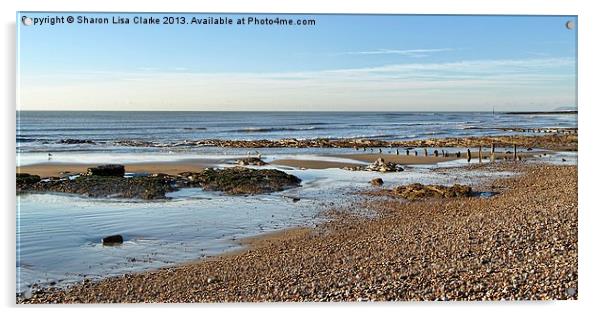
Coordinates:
(519,244)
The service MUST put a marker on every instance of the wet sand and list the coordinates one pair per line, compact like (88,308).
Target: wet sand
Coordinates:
(518,244)
(312,164)
(400,159)
(51,169)
(364,158)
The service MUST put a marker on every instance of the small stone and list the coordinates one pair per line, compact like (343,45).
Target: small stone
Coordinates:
(377,181)
(112,240)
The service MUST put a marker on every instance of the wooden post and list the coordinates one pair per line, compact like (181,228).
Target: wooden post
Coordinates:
(436,153)
(515,155)
(415,152)
(492,159)
(480,154)
(468,155)
(426,153)
(397,151)
(407,152)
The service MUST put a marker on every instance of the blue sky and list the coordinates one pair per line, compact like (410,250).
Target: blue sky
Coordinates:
(344,62)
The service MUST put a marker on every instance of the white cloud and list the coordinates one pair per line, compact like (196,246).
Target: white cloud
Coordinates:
(421,52)
(411,86)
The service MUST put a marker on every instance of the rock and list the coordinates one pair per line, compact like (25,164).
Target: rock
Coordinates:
(381,166)
(253,161)
(377,181)
(26,178)
(416,191)
(240,180)
(71,141)
(112,240)
(147,188)
(107,171)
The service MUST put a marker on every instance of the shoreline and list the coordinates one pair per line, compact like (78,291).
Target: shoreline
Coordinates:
(57,169)
(216,277)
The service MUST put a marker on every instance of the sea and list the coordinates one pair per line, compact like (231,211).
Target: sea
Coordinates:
(42,131)
(59,235)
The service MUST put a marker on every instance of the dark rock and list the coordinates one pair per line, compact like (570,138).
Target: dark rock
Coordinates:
(147,188)
(112,240)
(71,141)
(24,180)
(377,181)
(107,171)
(239,180)
(27,178)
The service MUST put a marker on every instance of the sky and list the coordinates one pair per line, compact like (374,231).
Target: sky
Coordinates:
(342,63)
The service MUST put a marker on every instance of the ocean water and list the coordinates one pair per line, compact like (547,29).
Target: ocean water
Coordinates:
(43,131)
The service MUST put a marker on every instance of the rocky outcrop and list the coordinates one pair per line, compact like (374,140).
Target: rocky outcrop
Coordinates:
(379,165)
(25,179)
(72,141)
(382,166)
(557,139)
(107,181)
(417,191)
(147,188)
(107,171)
(239,180)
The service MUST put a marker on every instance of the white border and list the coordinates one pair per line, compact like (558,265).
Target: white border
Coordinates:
(589,174)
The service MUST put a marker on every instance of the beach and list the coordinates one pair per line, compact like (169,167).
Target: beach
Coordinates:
(306,158)
(503,247)
(490,215)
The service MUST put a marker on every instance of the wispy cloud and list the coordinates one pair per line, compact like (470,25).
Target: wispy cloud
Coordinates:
(421,52)
(444,85)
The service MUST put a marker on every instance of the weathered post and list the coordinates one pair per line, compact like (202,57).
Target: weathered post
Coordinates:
(426,153)
(468,155)
(397,151)
(407,152)
(436,153)
(492,159)
(415,152)
(515,154)
(480,154)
